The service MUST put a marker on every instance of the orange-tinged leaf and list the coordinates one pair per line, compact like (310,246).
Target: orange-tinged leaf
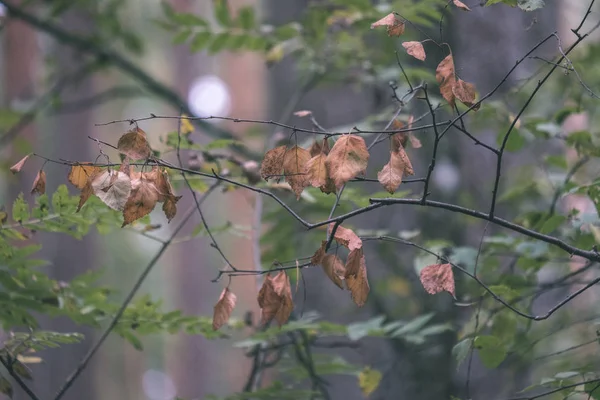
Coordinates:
(444,74)
(86,192)
(437,278)
(79,174)
(317,258)
(142,201)
(113,188)
(394,25)
(347,159)
(356,277)
(346,237)
(319,147)
(333,267)
(294,168)
(223,308)
(415,49)
(18,166)
(317,171)
(272,164)
(170,207)
(134,144)
(461,5)
(275,299)
(39,184)
(391,174)
(464,92)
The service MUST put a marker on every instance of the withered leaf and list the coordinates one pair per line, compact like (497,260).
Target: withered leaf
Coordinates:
(223,308)
(134,144)
(39,184)
(317,258)
(437,278)
(415,49)
(294,168)
(79,174)
(275,299)
(444,74)
(86,192)
(464,92)
(113,188)
(319,147)
(394,25)
(333,267)
(142,201)
(392,173)
(346,237)
(356,277)
(18,166)
(272,164)
(461,5)
(317,171)
(348,158)
(170,207)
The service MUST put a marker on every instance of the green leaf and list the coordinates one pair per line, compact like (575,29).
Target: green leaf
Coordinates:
(593,390)
(515,141)
(552,223)
(511,3)
(530,5)
(62,202)
(246,18)
(460,351)
(222,14)
(200,41)
(218,43)
(491,350)
(20,210)
(182,36)
(6,387)
(189,19)
(368,380)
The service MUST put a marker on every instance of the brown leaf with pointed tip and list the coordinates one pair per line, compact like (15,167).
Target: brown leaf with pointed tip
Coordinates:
(113,188)
(356,277)
(87,190)
(79,174)
(18,166)
(437,278)
(464,92)
(223,308)
(294,168)
(134,144)
(394,25)
(346,237)
(334,269)
(319,147)
(317,258)
(444,74)
(275,299)
(125,167)
(391,174)
(39,183)
(170,207)
(347,159)
(461,5)
(317,171)
(415,49)
(414,141)
(272,164)
(141,202)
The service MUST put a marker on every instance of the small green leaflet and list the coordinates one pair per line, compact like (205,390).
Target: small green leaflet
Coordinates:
(491,350)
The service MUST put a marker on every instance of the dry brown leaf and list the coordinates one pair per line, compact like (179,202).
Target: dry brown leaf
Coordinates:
(18,166)
(275,299)
(348,158)
(223,308)
(346,237)
(319,147)
(141,202)
(334,268)
(461,5)
(39,183)
(317,258)
(415,49)
(444,74)
(356,277)
(86,192)
(134,144)
(394,25)
(464,92)
(391,174)
(170,207)
(113,188)
(272,164)
(294,168)
(125,167)
(317,171)
(414,141)
(437,278)
(303,113)
(79,174)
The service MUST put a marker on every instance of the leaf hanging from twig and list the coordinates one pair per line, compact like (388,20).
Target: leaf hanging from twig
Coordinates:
(294,168)
(356,277)
(347,159)
(415,49)
(223,308)
(39,184)
(437,278)
(275,299)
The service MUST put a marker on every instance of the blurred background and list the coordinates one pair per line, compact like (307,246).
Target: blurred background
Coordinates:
(67,66)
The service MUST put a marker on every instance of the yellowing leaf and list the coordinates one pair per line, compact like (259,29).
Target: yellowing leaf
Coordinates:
(294,168)
(356,277)
(333,267)
(415,49)
(437,278)
(444,74)
(346,237)
(272,164)
(39,184)
(186,126)
(223,308)
(275,298)
(134,144)
(461,5)
(113,188)
(144,197)
(465,92)
(79,174)
(394,25)
(348,158)
(18,166)
(368,380)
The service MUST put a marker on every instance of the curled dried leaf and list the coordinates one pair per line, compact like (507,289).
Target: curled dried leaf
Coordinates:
(465,92)
(142,201)
(334,269)
(275,299)
(272,164)
(437,278)
(80,174)
(445,76)
(356,277)
(347,159)
(317,258)
(391,174)
(393,23)
(18,166)
(39,184)
(223,308)
(415,49)
(317,171)
(294,168)
(461,5)
(112,187)
(346,237)
(319,147)
(134,144)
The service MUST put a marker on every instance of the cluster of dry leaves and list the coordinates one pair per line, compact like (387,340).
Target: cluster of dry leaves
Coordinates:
(127,190)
